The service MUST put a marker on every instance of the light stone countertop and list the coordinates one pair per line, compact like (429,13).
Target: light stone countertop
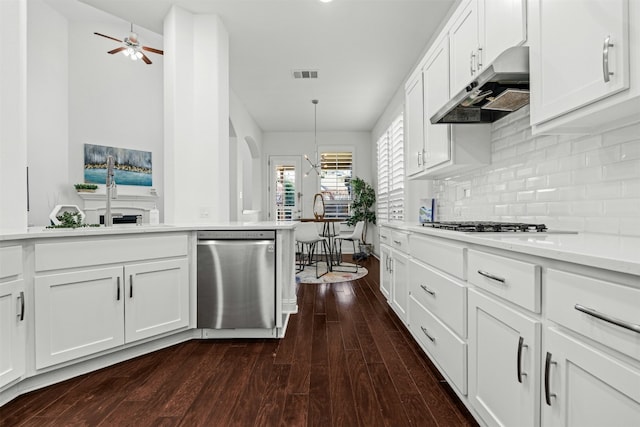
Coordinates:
(45,233)
(607,251)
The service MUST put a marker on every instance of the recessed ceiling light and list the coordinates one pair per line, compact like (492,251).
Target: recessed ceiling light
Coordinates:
(326,1)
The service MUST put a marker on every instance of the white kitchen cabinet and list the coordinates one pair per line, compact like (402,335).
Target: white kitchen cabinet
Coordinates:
(12,315)
(585,78)
(78,314)
(504,365)
(385,261)
(414,126)
(399,280)
(586,387)
(92,295)
(464,42)
(157,299)
(394,270)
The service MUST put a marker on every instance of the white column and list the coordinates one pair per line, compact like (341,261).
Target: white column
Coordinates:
(13,112)
(196,80)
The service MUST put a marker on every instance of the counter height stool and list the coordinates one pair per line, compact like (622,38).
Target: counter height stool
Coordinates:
(307,237)
(354,237)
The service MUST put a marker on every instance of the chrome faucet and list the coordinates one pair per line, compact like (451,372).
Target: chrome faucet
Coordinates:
(108,218)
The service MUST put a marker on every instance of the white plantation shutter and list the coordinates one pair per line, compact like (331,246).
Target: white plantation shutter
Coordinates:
(396,150)
(383,178)
(391,173)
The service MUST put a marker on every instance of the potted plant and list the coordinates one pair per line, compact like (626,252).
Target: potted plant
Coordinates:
(364,196)
(85,188)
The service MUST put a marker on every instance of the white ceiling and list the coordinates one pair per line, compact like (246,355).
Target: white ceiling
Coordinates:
(363,50)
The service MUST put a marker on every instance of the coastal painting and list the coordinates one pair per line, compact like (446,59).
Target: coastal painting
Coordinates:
(132,167)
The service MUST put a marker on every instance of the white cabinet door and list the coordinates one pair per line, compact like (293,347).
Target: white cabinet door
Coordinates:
(12,331)
(78,314)
(570,53)
(585,387)
(385,271)
(400,288)
(504,380)
(157,298)
(464,46)
(413,126)
(503,24)
(437,138)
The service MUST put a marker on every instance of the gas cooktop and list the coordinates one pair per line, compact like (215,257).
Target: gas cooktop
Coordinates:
(487,226)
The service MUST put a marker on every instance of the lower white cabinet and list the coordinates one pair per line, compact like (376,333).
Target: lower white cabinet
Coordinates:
(85,312)
(399,288)
(504,363)
(12,315)
(585,387)
(12,331)
(385,271)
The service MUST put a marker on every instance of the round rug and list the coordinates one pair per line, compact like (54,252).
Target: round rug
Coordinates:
(308,275)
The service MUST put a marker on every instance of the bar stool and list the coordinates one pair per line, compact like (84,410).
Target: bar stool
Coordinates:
(354,237)
(307,237)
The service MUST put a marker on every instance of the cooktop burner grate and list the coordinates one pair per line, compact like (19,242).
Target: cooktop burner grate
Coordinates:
(487,226)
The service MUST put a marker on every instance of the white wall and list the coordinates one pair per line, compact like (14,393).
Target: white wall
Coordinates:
(300,143)
(13,146)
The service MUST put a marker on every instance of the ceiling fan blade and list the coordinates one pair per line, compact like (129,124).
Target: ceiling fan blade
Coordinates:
(150,49)
(116,50)
(145,58)
(108,37)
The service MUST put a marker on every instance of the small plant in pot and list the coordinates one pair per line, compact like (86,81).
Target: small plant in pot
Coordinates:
(364,197)
(85,188)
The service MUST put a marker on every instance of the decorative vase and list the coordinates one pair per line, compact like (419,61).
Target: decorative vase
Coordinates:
(318,206)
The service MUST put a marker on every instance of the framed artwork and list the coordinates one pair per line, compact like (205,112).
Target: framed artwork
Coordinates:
(132,167)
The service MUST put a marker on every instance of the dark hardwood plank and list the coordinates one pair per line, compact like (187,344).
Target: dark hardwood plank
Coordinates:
(319,397)
(296,407)
(392,410)
(364,393)
(271,408)
(319,350)
(342,404)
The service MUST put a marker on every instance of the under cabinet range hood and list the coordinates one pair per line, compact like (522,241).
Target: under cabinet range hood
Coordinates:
(500,89)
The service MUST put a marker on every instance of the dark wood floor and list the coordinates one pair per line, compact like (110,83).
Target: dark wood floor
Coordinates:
(346,361)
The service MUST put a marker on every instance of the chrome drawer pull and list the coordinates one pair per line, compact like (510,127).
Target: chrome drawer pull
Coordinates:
(21,298)
(491,276)
(397,242)
(547,368)
(521,345)
(605,59)
(424,331)
(591,312)
(427,290)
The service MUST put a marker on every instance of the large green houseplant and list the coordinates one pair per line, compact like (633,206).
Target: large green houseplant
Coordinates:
(364,196)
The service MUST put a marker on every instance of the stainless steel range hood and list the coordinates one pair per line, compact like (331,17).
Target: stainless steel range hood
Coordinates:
(500,89)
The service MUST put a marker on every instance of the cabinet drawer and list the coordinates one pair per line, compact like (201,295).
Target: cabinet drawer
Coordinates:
(385,236)
(448,257)
(513,280)
(10,261)
(400,241)
(441,295)
(564,291)
(102,251)
(447,350)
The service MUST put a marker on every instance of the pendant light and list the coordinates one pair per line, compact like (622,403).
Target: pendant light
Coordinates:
(314,166)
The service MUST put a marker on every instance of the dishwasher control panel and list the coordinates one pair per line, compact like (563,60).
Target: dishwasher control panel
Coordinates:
(236,235)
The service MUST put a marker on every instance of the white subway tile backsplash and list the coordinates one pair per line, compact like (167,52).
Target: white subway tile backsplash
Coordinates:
(569,182)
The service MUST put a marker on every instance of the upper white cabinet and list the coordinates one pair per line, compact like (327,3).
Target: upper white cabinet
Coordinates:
(584,64)
(413,125)
(481,30)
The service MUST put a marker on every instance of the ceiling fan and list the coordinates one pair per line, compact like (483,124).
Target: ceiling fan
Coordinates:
(132,47)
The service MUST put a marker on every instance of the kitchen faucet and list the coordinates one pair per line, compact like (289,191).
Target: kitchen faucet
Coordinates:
(110,183)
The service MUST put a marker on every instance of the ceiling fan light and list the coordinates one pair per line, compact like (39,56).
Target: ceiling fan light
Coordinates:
(139,55)
(125,52)
(133,57)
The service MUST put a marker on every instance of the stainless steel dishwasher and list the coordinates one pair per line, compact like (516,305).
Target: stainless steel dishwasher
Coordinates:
(236,279)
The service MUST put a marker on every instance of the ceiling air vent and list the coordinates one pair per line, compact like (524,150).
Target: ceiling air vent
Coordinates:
(305,74)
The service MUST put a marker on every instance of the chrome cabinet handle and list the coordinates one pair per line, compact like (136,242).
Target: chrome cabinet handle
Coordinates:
(21,298)
(131,286)
(547,367)
(491,276)
(605,59)
(521,345)
(419,158)
(609,319)
(479,58)
(424,331)
(118,290)
(427,290)
(397,242)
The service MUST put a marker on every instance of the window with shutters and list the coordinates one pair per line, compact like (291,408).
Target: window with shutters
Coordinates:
(336,170)
(390,196)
